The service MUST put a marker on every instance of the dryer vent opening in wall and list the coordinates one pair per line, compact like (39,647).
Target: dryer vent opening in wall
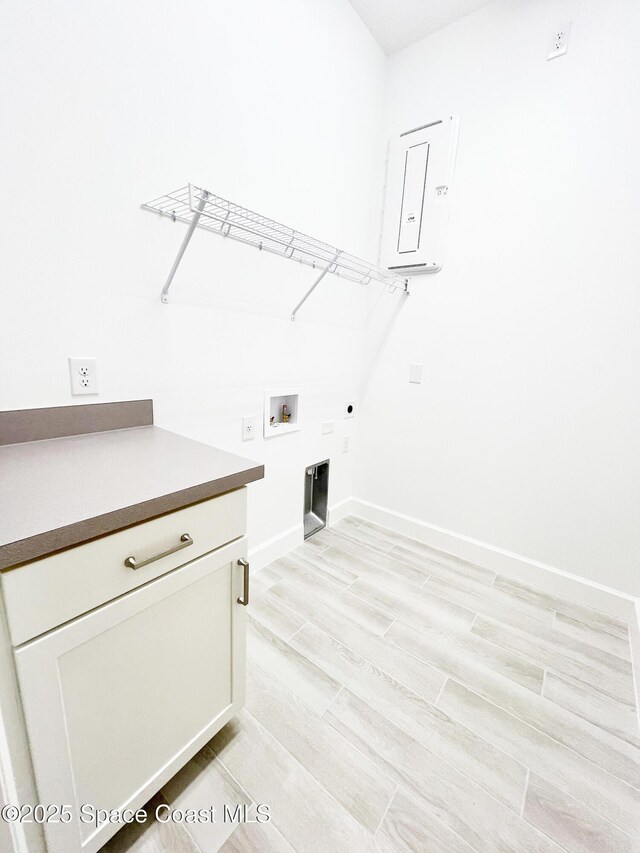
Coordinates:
(420,171)
(316,497)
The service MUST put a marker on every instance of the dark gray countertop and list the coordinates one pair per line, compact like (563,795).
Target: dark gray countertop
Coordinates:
(60,492)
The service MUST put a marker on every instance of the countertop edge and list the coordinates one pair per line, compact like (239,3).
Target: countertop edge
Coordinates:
(14,554)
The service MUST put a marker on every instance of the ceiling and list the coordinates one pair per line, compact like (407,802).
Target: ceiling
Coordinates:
(397,23)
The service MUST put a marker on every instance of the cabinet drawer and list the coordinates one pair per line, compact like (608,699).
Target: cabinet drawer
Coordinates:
(48,592)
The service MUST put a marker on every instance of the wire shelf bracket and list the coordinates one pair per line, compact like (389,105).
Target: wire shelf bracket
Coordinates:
(198,207)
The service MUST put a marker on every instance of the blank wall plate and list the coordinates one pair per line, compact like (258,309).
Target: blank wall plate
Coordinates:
(327,427)
(559,44)
(415,373)
(83,373)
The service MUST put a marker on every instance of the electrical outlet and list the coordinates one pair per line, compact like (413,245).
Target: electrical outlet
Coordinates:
(560,43)
(345,443)
(83,373)
(248,427)
(349,408)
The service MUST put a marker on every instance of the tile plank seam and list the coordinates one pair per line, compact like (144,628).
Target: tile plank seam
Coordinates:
(425,803)
(596,657)
(546,734)
(444,684)
(420,804)
(371,662)
(557,598)
(524,793)
(307,772)
(412,736)
(352,746)
(549,669)
(516,655)
(563,673)
(386,811)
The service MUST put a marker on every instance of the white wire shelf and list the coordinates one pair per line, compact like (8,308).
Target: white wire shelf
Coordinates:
(198,207)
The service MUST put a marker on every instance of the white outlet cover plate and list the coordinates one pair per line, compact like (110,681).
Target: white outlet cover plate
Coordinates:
(559,44)
(83,373)
(248,427)
(327,427)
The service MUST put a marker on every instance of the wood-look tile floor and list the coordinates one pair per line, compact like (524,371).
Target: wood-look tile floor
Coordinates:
(402,699)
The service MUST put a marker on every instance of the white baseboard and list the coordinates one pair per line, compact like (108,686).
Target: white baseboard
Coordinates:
(275,547)
(340,510)
(521,568)
(634,637)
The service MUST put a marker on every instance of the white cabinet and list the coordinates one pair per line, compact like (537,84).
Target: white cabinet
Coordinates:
(118,699)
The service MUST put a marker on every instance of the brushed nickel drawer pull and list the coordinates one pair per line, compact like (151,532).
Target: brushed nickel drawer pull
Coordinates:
(132,563)
(244,599)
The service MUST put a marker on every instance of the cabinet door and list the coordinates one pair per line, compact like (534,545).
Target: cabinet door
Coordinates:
(119,699)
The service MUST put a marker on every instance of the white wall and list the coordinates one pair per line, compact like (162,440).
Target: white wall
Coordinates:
(525,433)
(277,106)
